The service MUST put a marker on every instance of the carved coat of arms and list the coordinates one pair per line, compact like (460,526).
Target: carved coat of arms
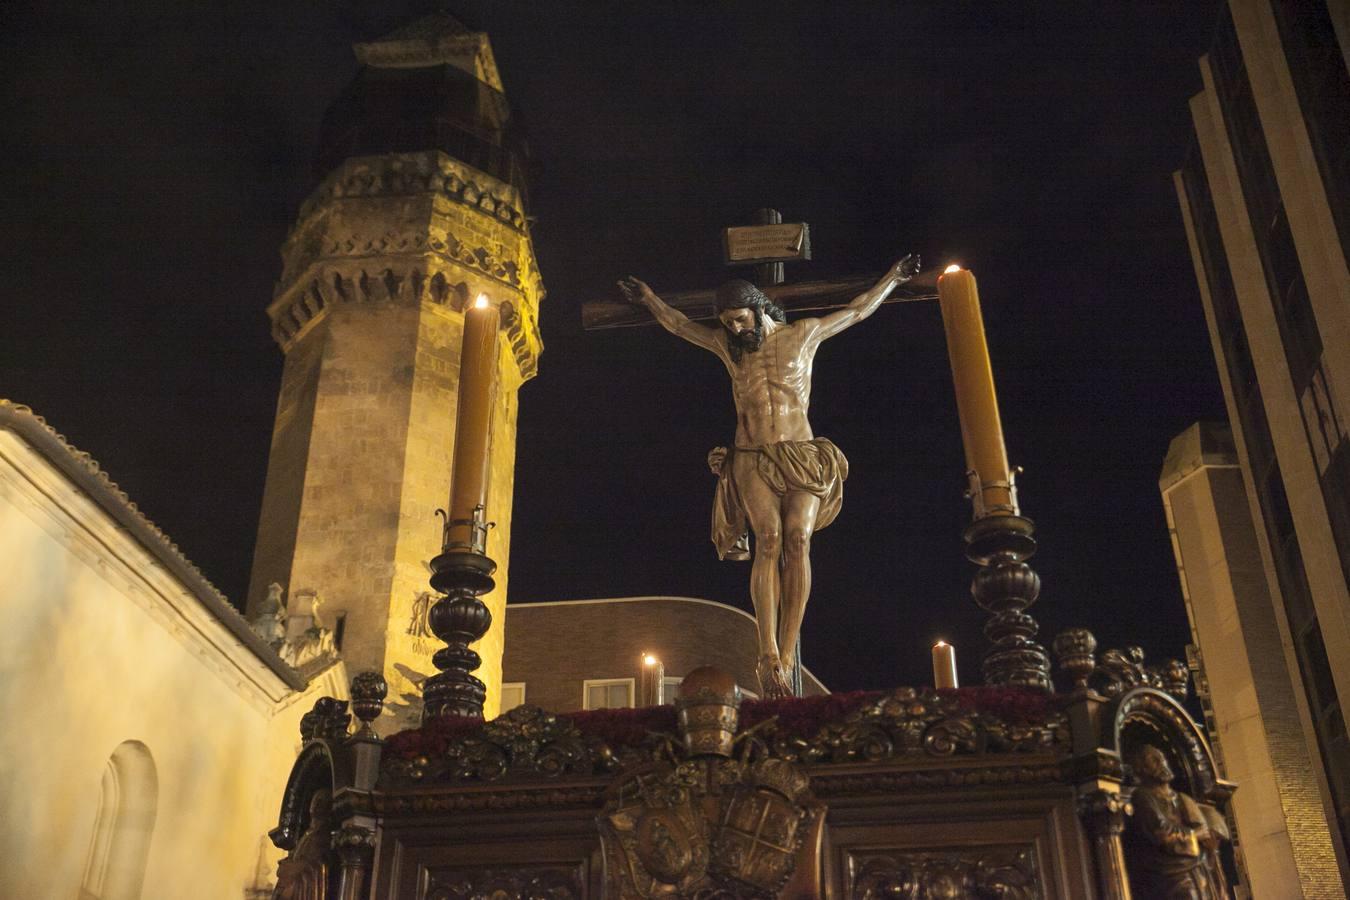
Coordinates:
(708,828)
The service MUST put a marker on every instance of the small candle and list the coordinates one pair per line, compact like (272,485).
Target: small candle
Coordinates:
(651,681)
(477,378)
(944,665)
(976,402)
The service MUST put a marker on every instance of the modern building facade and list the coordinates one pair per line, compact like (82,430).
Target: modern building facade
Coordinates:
(1265,194)
(1249,695)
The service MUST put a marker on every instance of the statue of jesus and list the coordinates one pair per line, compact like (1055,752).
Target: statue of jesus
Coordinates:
(786,482)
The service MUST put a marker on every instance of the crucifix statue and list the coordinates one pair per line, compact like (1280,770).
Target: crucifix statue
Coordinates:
(777,477)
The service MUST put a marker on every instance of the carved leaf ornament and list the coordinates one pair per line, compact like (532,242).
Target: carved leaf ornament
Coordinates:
(529,743)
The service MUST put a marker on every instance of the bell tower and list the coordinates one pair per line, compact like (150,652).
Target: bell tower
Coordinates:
(420,209)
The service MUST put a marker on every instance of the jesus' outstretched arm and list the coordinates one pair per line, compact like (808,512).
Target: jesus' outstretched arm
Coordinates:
(867,302)
(671,319)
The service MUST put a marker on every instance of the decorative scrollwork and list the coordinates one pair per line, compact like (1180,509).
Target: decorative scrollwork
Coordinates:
(1007,873)
(524,742)
(523,883)
(907,722)
(1117,671)
(528,743)
(327,720)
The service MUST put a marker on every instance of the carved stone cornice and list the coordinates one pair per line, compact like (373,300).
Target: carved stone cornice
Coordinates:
(433,278)
(399,281)
(407,174)
(411,228)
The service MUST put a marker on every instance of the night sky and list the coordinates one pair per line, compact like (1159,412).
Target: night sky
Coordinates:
(156,153)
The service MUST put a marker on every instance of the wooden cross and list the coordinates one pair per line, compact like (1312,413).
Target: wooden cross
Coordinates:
(801,297)
(766,245)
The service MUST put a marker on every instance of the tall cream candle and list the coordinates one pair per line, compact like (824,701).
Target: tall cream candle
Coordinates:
(477,379)
(976,402)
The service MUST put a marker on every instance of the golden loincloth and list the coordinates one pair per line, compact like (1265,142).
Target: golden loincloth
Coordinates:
(815,467)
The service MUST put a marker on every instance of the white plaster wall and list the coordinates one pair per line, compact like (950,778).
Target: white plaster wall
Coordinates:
(100,645)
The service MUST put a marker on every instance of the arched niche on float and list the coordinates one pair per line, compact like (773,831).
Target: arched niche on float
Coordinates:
(1146,715)
(120,845)
(316,768)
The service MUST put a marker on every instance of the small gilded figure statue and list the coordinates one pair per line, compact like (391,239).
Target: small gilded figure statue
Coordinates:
(778,477)
(1172,841)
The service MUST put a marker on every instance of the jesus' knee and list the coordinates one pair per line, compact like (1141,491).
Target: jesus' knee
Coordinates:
(797,543)
(768,543)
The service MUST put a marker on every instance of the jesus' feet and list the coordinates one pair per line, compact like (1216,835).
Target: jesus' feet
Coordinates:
(773,682)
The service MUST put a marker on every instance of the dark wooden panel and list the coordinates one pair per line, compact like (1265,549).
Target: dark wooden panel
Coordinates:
(431,855)
(974,839)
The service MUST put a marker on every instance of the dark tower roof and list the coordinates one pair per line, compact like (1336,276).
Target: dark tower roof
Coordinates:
(429,85)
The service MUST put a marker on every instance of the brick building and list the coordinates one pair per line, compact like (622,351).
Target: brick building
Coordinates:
(587,654)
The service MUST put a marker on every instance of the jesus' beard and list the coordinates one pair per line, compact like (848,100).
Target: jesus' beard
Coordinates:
(746,341)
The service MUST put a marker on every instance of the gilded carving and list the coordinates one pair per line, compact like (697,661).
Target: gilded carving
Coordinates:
(1007,873)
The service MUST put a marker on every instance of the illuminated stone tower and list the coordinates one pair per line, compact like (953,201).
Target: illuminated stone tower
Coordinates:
(420,209)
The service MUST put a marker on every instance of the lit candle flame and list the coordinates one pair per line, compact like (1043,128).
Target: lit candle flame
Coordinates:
(649,660)
(954,267)
(481,302)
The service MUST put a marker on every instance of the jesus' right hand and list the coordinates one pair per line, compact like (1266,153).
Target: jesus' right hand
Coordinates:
(635,290)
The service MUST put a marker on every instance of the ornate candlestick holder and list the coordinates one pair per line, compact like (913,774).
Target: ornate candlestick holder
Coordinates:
(463,573)
(1000,541)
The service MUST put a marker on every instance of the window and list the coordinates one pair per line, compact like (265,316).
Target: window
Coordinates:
(607,693)
(513,695)
(125,822)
